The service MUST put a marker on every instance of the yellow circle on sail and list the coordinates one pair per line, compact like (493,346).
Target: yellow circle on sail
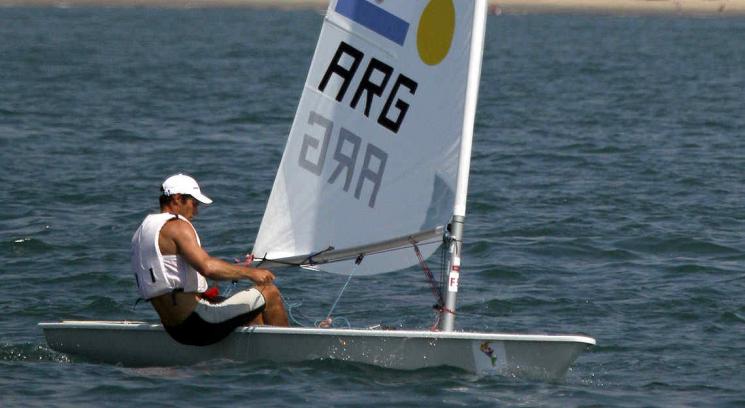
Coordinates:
(436,29)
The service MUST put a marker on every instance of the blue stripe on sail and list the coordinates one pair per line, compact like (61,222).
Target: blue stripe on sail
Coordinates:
(374,18)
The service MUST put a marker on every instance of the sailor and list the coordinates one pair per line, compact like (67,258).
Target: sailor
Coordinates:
(170,267)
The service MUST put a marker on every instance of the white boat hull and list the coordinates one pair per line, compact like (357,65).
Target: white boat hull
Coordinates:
(141,344)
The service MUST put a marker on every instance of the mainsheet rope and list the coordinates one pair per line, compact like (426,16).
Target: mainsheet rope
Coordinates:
(328,321)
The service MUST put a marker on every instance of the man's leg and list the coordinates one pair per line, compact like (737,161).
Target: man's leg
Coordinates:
(274,313)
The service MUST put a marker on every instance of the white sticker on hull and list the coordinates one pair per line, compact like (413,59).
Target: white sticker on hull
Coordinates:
(489,356)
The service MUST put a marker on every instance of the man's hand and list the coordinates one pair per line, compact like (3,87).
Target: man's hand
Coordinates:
(261,276)
(247,261)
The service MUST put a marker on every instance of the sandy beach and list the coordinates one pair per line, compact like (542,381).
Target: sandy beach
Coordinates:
(685,7)
(681,7)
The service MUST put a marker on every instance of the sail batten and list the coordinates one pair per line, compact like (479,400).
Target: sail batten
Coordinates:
(373,152)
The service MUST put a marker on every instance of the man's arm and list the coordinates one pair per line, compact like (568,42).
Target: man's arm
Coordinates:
(179,236)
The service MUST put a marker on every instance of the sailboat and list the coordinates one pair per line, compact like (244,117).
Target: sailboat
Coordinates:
(373,179)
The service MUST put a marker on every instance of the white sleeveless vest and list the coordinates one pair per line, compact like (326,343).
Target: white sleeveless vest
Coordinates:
(156,273)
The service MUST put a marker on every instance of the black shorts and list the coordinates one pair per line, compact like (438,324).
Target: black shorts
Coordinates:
(212,322)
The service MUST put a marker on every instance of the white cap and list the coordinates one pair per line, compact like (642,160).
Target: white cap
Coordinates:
(183,184)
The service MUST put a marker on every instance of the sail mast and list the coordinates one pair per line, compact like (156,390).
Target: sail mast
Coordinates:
(459,209)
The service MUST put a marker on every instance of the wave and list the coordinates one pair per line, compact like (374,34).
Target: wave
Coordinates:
(30,352)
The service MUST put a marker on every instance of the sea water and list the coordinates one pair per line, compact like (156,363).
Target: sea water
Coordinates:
(607,197)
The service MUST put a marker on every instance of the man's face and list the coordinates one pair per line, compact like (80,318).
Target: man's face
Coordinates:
(189,207)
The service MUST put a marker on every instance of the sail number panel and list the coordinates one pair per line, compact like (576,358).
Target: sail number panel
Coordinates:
(373,84)
(357,165)
(345,156)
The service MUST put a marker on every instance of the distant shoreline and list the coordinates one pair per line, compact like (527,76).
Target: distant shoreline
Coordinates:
(670,7)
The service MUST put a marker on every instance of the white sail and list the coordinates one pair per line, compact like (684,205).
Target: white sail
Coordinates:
(374,149)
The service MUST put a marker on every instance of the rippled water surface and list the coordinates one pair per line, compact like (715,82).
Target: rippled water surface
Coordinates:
(607,197)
